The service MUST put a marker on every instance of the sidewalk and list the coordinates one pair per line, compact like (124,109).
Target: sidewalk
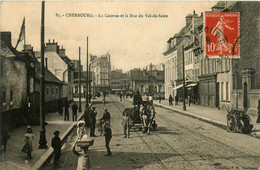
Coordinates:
(14,158)
(207,114)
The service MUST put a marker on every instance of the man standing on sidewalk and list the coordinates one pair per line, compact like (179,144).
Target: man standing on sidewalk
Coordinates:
(176,99)
(74,111)
(66,115)
(92,121)
(56,145)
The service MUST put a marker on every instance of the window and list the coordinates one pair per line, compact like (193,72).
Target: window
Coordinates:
(3,96)
(52,91)
(76,89)
(222,91)
(47,90)
(57,91)
(11,95)
(227,91)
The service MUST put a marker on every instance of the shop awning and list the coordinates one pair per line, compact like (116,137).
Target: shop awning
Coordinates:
(177,87)
(191,85)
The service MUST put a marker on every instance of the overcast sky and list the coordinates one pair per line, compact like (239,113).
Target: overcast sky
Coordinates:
(131,42)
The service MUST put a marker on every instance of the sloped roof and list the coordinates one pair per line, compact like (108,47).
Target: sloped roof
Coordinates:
(49,77)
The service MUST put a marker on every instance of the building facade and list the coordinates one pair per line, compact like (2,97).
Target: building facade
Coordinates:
(147,82)
(101,68)
(217,82)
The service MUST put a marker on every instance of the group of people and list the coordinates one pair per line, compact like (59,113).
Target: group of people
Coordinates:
(171,99)
(74,109)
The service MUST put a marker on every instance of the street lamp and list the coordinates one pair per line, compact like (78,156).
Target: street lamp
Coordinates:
(42,140)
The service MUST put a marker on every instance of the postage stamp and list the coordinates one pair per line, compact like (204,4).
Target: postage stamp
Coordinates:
(222,35)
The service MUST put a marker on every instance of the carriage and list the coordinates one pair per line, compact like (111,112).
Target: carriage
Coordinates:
(239,121)
(136,119)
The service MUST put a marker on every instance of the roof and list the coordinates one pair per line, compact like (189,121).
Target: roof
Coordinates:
(145,75)
(49,77)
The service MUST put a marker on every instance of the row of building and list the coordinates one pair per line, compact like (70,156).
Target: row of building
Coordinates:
(216,82)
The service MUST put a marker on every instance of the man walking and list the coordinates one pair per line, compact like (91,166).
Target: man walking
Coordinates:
(126,124)
(170,99)
(108,136)
(66,115)
(56,145)
(176,99)
(74,111)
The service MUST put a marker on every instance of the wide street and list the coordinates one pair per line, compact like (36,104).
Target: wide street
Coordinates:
(179,142)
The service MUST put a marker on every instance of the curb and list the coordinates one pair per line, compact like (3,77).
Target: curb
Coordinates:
(214,122)
(49,152)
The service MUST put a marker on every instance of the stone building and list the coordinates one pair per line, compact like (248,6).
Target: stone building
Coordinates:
(219,82)
(20,85)
(119,81)
(60,65)
(147,82)
(101,68)
(84,81)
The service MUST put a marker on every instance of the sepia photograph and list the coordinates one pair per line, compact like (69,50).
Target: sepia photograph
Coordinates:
(122,85)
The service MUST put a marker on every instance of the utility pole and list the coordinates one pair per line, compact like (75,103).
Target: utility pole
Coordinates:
(87,76)
(42,140)
(80,109)
(183,70)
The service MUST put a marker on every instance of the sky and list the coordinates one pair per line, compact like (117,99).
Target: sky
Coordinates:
(132,42)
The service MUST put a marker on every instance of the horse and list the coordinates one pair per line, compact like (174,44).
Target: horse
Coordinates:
(147,116)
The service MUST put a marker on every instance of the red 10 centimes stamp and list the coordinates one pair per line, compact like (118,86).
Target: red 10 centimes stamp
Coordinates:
(222,35)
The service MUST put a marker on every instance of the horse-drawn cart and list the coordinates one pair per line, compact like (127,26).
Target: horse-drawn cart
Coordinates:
(137,117)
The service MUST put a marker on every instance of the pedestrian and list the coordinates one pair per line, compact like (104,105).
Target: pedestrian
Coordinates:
(189,99)
(4,137)
(108,136)
(60,107)
(89,97)
(126,124)
(86,118)
(160,99)
(92,121)
(74,111)
(120,95)
(66,115)
(29,140)
(176,99)
(137,100)
(170,99)
(56,145)
(106,116)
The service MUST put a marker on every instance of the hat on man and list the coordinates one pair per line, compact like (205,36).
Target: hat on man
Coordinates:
(56,132)
(29,127)
(105,109)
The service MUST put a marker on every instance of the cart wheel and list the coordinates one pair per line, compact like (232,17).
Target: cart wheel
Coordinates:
(231,124)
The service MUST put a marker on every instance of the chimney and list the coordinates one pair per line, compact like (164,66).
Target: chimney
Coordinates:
(46,63)
(49,41)
(188,19)
(53,41)
(5,38)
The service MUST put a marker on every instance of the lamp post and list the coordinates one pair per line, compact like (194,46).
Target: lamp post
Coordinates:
(42,140)
(80,109)
(183,70)
(87,76)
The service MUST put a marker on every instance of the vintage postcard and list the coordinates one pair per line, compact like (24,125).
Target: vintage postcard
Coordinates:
(129,85)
